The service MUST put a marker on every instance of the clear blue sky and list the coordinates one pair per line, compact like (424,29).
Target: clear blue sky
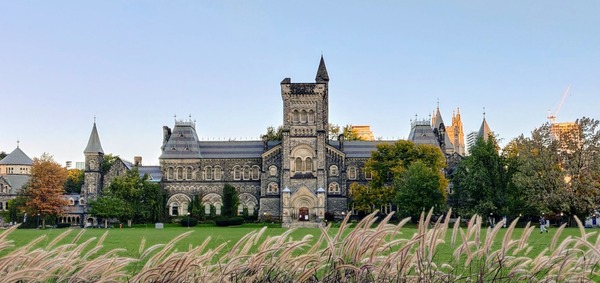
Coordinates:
(135,64)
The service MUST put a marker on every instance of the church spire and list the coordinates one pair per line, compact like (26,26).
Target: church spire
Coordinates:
(94,145)
(484,130)
(322,76)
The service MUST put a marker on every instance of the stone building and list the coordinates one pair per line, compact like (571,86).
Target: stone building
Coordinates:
(15,170)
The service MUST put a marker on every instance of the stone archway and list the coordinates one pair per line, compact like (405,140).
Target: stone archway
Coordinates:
(303,203)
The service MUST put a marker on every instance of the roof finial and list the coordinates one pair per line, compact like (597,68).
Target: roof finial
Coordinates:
(175,117)
(484,112)
(17,143)
(438,103)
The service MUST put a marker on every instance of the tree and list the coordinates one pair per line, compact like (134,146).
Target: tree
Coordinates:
(420,188)
(480,181)
(387,165)
(107,162)
(107,207)
(74,181)
(2,154)
(349,134)
(44,191)
(230,201)
(273,134)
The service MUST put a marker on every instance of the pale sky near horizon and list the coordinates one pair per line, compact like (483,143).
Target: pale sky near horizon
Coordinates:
(135,64)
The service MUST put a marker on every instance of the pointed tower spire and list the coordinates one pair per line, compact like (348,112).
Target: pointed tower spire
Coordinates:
(484,130)
(94,145)
(322,76)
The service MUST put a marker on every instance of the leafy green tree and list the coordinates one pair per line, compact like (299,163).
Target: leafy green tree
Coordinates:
(74,181)
(3,154)
(107,162)
(480,181)
(196,207)
(107,207)
(420,188)
(230,201)
(273,134)
(349,134)
(44,191)
(387,165)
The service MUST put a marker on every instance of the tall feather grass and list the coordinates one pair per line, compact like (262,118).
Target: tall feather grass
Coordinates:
(371,251)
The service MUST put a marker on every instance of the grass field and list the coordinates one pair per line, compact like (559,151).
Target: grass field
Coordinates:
(368,252)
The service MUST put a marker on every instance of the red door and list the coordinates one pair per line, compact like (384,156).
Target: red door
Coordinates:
(303,212)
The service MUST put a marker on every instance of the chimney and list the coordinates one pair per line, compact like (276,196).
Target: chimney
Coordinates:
(137,161)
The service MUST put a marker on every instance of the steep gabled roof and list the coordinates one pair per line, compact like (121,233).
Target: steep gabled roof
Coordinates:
(17,157)
(322,75)
(182,142)
(484,130)
(94,145)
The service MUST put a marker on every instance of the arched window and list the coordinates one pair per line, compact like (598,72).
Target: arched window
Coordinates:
(179,173)
(208,173)
(217,173)
(311,117)
(237,173)
(303,116)
(352,173)
(333,170)
(334,188)
(170,174)
(368,174)
(174,209)
(255,172)
(298,165)
(308,164)
(246,172)
(188,173)
(273,170)
(296,116)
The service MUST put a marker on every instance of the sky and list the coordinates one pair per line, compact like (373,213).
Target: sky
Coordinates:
(136,66)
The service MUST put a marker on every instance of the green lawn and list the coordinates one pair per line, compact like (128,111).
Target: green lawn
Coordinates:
(130,238)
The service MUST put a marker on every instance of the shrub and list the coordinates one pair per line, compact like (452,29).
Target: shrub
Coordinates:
(189,222)
(63,225)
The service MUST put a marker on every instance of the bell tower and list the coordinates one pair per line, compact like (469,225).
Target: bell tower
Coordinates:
(94,156)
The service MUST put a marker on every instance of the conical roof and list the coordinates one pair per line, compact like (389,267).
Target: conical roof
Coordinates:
(17,157)
(322,75)
(437,120)
(484,130)
(94,145)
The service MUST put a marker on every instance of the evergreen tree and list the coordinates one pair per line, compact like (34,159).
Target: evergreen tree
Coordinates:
(230,201)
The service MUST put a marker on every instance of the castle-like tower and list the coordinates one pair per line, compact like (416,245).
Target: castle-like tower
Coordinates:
(456,134)
(94,156)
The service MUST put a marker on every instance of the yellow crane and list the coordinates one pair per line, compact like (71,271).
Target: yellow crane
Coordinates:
(552,115)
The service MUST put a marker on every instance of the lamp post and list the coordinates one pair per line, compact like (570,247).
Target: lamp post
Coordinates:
(188,220)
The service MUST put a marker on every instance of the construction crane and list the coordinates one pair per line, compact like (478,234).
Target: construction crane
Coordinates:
(552,115)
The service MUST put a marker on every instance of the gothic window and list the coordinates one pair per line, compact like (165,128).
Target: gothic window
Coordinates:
(334,188)
(174,209)
(246,173)
(217,173)
(208,173)
(207,208)
(303,116)
(272,188)
(273,170)
(170,175)
(255,172)
(352,173)
(333,170)
(179,173)
(1,206)
(188,173)
(368,174)
(308,164)
(298,164)
(311,117)
(237,173)
(296,116)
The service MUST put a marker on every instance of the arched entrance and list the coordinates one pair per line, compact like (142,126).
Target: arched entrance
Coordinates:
(303,214)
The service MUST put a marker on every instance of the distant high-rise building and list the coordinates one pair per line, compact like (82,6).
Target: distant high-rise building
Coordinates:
(471,138)
(364,132)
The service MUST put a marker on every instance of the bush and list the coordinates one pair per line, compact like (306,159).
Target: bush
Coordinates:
(189,222)
(225,221)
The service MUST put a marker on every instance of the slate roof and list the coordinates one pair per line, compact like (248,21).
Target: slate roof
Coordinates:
(422,133)
(153,171)
(94,145)
(484,130)
(16,182)
(322,75)
(16,157)
(234,149)
(182,143)
(359,149)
